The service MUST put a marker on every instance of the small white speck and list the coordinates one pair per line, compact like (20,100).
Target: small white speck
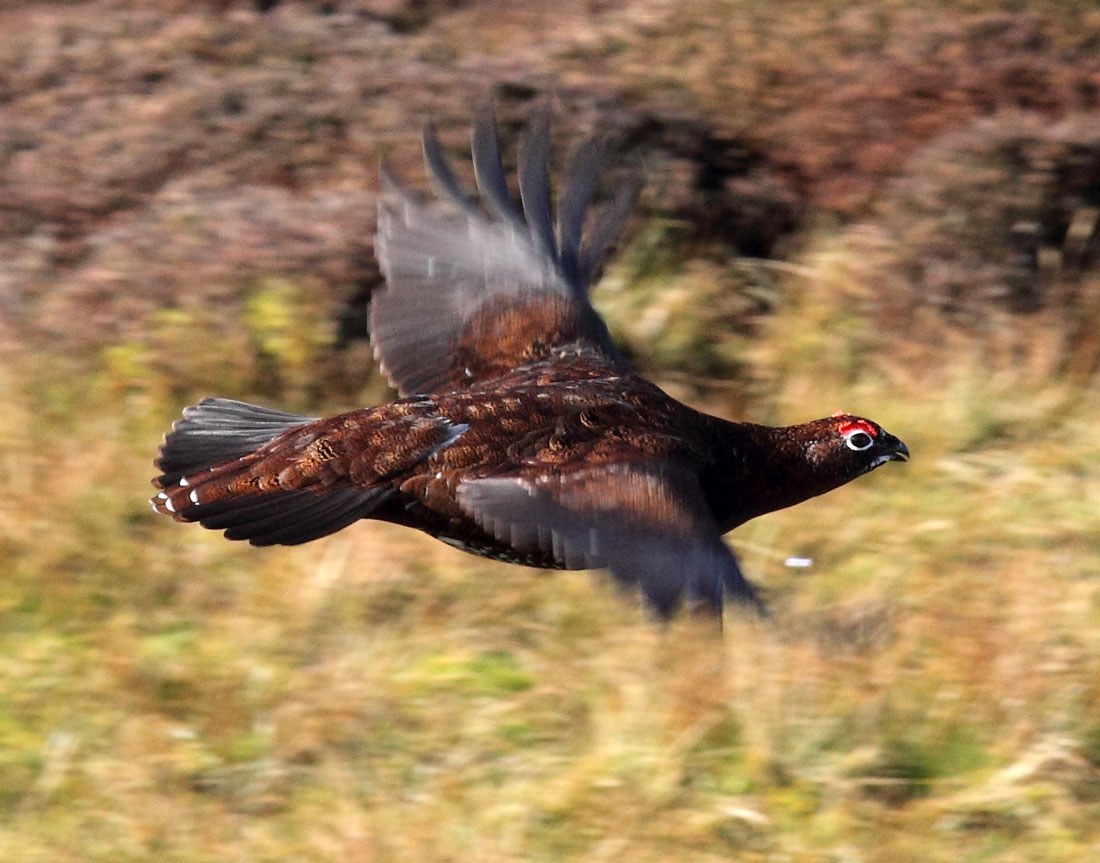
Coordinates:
(154,505)
(439,474)
(194,496)
(163,495)
(799,562)
(168,505)
(183,482)
(749,816)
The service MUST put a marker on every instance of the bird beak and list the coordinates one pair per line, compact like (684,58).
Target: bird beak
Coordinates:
(900,453)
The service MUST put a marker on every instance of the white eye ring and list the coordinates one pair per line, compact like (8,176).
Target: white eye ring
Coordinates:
(859,440)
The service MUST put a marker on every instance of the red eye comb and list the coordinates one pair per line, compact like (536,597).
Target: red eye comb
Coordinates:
(856,425)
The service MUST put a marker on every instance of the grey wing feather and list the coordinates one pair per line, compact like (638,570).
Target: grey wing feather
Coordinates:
(443,268)
(608,228)
(438,274)
(668,550)
(580,188)
(439,170)
(489,168)
(534,180)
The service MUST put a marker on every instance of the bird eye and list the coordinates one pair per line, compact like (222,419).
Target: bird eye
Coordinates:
(859,440)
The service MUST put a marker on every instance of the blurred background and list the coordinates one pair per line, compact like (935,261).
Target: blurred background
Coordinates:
(883,207)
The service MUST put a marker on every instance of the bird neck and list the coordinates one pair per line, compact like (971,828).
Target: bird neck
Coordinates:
(760,469)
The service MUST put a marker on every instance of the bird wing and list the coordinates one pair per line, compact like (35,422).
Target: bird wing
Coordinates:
(647,522)
(474,292)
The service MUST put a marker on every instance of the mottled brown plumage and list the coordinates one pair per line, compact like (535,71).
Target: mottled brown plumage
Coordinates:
(522,434)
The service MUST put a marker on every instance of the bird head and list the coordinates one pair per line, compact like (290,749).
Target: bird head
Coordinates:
(791,464)
(848,446)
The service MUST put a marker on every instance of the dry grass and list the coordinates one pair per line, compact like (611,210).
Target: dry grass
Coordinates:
(928,690)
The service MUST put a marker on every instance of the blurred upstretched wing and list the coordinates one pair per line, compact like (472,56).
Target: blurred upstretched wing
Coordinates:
(491,286)
(647,522)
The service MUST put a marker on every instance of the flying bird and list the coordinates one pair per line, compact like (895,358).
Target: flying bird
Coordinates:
(520,434)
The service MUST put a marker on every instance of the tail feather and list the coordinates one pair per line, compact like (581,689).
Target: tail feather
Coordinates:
(217,471)
(216,431)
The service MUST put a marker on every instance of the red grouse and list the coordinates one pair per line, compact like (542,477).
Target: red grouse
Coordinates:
(521,433)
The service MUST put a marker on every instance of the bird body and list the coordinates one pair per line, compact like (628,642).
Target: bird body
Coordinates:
(522,435)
